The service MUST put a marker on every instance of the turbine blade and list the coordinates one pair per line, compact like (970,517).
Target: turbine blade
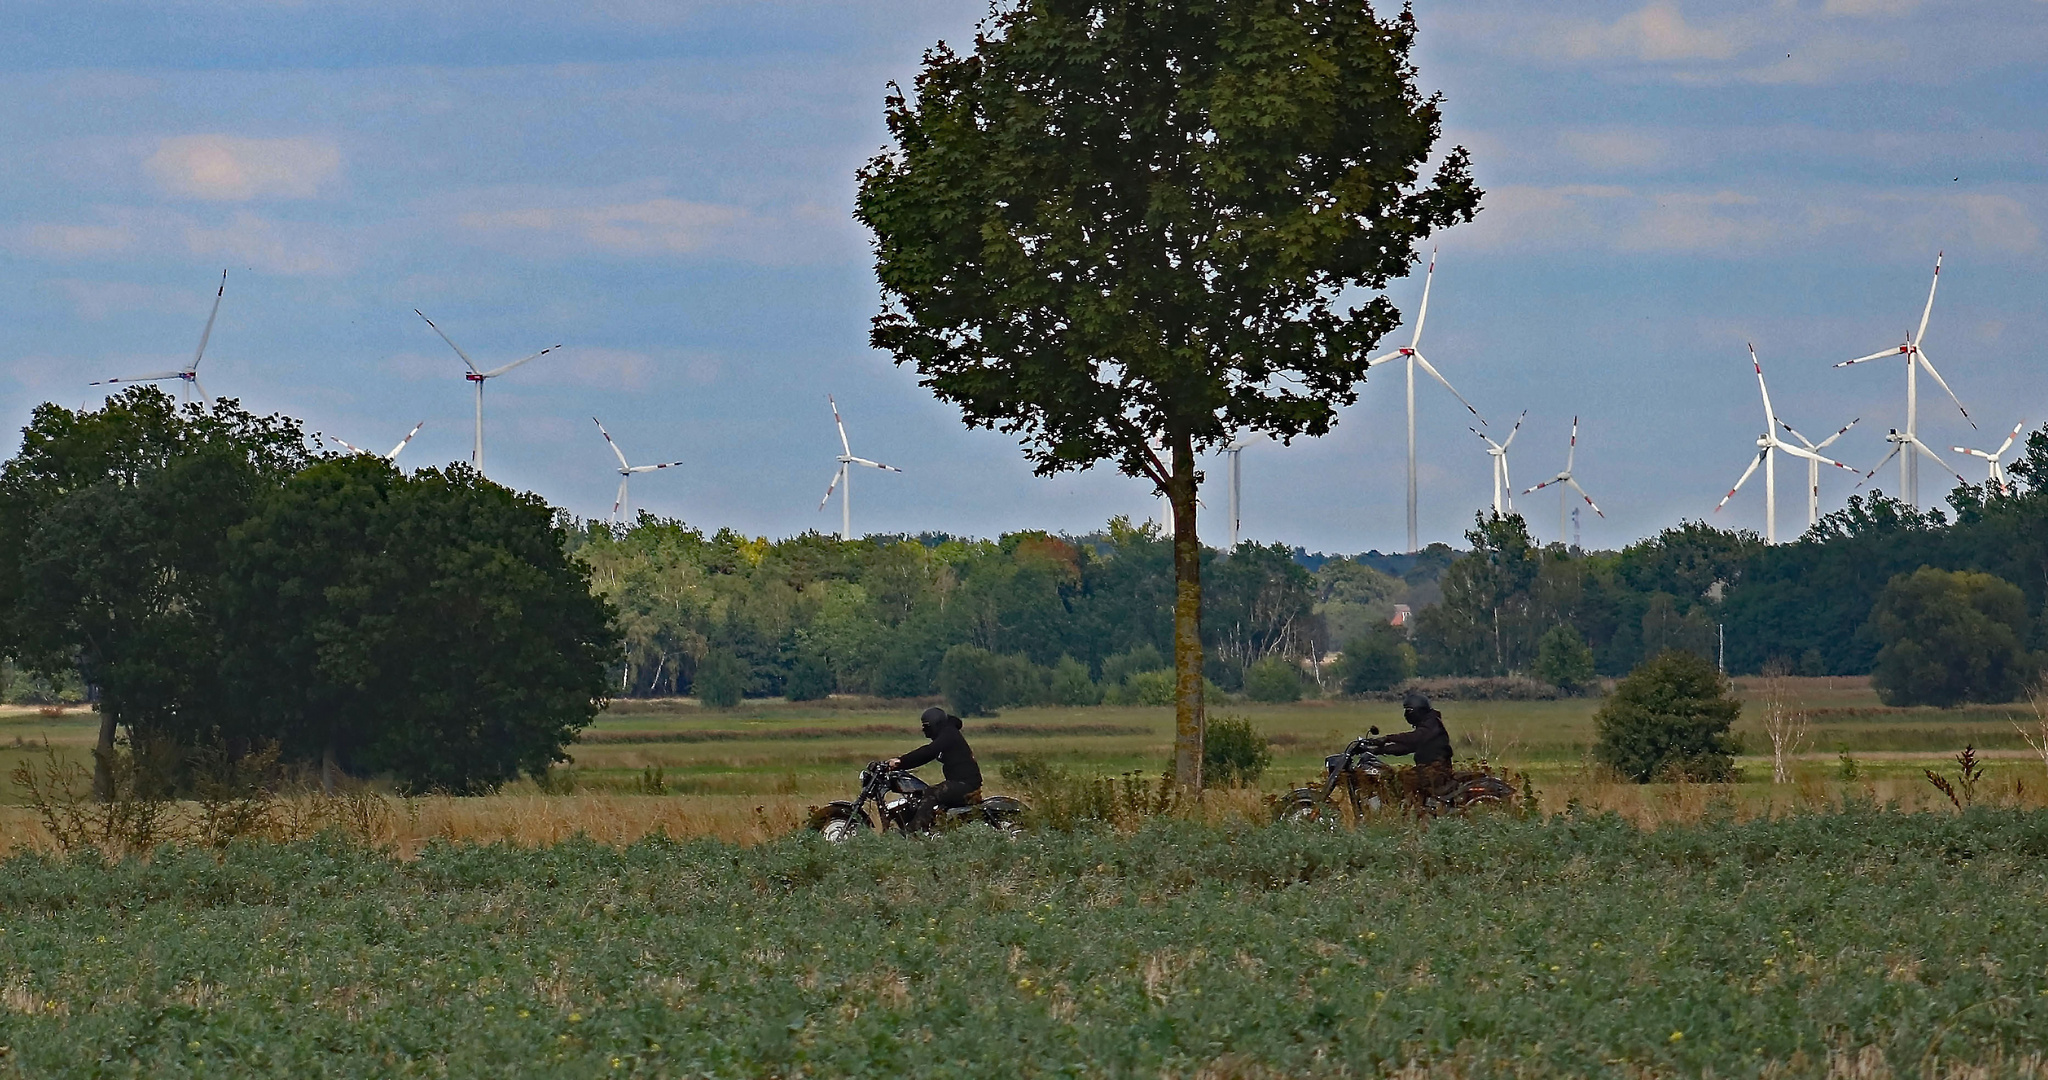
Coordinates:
(1423,315)
(1972,453)
(1929,451)
(1893,351)
(1879,465)
(1383,358)
(1571,455)
(1929,365)
(1795,434)
(1844,431)
(1559,478)
(1516,430)
(495,372)
(621,499)
(1770,415)
(201,388)
(831,487)
(451,342)
(1753,463)
(845,447)
(1929,309)
(351,447)
(874,464)
(208,332)
(1426,366)
(2007,444)
(140,378)
(393,455)
(1588,498)
(651,468)
(608,442)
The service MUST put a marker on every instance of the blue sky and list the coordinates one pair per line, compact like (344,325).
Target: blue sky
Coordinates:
(665,188)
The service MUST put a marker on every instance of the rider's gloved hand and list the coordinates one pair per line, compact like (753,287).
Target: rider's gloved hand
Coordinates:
(894,763)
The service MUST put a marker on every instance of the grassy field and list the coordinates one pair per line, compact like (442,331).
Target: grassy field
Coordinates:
(1853,944)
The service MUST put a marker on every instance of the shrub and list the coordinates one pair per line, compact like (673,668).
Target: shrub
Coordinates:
(721,680)
(1117,668)
(1379,659)
(1273,679)
(1563,660)
(1950,637)
(1234,753)
(1670,715)
(1069,684)
(971,679)
(810,679)
(1154,688)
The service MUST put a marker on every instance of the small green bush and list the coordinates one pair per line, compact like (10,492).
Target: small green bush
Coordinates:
(1273,679)
(972,680)
(1379,659)
(810,679)
(1234,753)
(1671,715)
(1069,684)
(1155,688)
(721,680)
(1563,660)
(1117,668)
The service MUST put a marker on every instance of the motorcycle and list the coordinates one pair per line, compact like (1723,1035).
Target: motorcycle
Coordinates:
(1371,784)
(893,795)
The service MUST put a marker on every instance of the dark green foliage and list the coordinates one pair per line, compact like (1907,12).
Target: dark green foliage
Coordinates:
(1769,946)
(1234,751)
(1069,684)
(1116,669)
(721,680)
(810,679)
(1377,660)
(1670,716)
(972,680)
(1563,660)
(1273,679)
(1950,637)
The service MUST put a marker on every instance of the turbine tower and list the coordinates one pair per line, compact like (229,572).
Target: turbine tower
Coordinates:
(843,478)
(1996,459)
(1769,446)
(1235,450)
(392,456)
(476,456)
(1503,488)
(189,374)
(1566,479)
(1813,466)
(1414,356)
(626,472)
(1909,439)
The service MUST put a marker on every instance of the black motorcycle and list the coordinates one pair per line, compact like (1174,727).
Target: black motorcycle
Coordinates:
(1371,784)
(893,793)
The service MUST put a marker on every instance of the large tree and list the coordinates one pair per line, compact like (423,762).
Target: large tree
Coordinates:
(1127,231)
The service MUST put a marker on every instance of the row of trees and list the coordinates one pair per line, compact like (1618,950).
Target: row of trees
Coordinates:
(215,583)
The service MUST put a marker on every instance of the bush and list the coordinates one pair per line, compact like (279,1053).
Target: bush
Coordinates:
(810,679)
(1154,688)
(721,680)
(1379,659)
(1950,637)
(1117,668)
(1273,679)
(1069,684)
(1670,715)
(1563,660)
(972,680)
(1234,753)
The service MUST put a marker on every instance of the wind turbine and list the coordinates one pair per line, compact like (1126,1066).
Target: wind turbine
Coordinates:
(1996,459)
(625,471)
(1565,478)
(1235,449)
(1768,447)
(1813,467)
(1916,358)
(843,479)
(1503,488)
(476,456)
(393,455)
(1414,356)
(189,374)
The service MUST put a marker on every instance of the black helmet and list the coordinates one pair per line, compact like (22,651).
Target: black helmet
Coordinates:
(1414,701)
(934,719)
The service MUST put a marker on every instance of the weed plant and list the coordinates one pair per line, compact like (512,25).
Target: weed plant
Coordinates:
(1860,942)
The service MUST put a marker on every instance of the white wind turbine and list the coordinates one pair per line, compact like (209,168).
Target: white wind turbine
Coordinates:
(393,455)
(1813,466)
(1235,449)
(1916,358)
(1996,459)
(1768,447)
(189,374)
(476,456)
(1503,488)
(843,479)
(626,472)
(1414,356)
(1566,479)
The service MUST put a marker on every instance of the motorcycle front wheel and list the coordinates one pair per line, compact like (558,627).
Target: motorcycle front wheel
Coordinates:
(1304,804)
(845,827)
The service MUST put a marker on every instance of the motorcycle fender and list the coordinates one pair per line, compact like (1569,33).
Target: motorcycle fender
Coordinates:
(836,810)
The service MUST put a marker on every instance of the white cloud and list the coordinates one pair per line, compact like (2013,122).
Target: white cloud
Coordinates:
(652,226)
(263,244)
(1870,7)
(629,221)
(98,300)
(229,168)
(77,241)
(1655,32)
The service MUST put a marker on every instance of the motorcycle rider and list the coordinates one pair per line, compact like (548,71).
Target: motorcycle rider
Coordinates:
(1427,740)
(956,759)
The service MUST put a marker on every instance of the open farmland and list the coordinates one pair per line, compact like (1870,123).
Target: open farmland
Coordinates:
(1573,947)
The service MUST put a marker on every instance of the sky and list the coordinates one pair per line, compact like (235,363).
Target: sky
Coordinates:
(664,187)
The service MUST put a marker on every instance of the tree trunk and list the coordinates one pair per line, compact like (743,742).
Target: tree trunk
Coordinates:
(1189,720)
(103,759)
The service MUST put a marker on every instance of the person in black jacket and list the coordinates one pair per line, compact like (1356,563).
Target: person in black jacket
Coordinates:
(956,760)
(1428,741)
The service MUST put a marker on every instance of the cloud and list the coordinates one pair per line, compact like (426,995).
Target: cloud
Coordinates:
(98,300)
(1869,7)
(263,244)
(649,227)
(229,168)
(1616,149)
(629,221)
(1656,32)
(78,241)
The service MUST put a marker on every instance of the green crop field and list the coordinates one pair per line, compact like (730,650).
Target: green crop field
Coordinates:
(1855,943)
